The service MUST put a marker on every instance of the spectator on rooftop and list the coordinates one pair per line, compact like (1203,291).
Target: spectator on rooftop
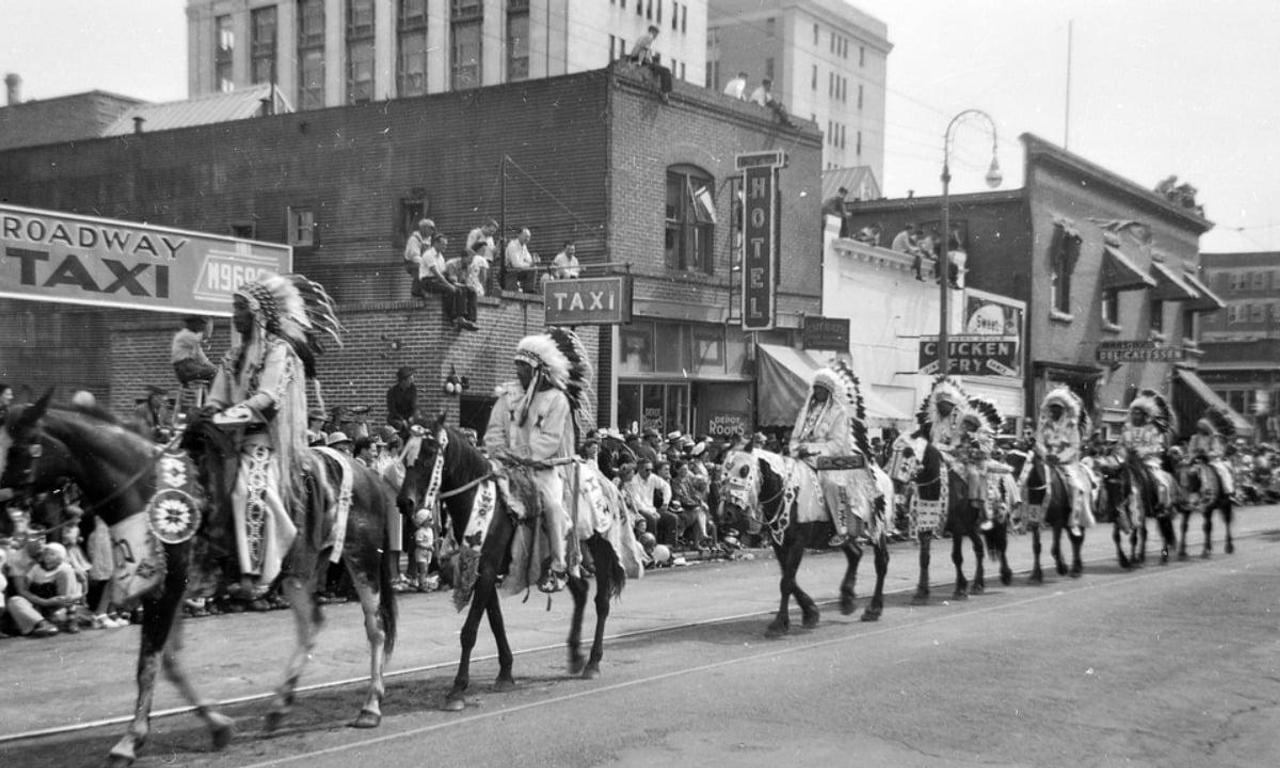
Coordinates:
(565,264)
(642,53)
(520,265)
(763,95)
(465,275)
(737,87)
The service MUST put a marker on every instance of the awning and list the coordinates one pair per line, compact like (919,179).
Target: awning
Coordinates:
(1191,396)
(1170,286)
(1208,301)
(1121,274)
(783,385)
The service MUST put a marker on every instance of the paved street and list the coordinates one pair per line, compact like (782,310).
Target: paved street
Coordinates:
(1159,666)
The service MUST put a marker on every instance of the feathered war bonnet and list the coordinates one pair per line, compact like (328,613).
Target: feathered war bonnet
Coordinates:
(297,310)
(945,389)
(846,390)
(1073,410)
(559,358)
(1219,421)
(1157,409)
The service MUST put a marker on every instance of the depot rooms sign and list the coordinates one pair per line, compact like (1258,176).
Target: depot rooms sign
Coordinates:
(72,259)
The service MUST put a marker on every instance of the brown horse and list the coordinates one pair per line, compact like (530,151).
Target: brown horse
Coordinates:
(1049,504)
(443,461)
(959,518)
(116,470)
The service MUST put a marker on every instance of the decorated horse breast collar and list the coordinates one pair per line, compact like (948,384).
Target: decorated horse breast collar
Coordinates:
(173,512)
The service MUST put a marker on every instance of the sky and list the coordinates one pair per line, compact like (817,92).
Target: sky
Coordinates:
(1157,87)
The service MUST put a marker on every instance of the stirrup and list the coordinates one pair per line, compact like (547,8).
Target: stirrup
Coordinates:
(838,540)
(553,581)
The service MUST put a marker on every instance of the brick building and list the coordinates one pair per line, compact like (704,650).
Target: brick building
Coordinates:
(56,120)
(1097,259)
(594,157)
(1242,341)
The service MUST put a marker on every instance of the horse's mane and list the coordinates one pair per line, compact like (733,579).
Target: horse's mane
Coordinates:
(94,411)
(201,435)
(463,456)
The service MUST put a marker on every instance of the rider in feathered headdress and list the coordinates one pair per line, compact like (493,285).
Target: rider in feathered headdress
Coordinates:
(537,420)
(1208,444)
(832,423)
(1063,428)
(939,415)
(1144,438)
(260,386)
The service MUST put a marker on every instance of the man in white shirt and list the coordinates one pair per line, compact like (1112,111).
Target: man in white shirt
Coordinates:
(764,97)
(419,240)
(484,233)
(737,87)
(520,273)
(642,53)
(650,495)
(565,264)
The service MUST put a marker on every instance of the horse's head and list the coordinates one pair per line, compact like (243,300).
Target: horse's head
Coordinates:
(31,460)
(423,458)
(740,483)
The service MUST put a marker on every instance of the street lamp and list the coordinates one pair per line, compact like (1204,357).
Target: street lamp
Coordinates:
(993,178)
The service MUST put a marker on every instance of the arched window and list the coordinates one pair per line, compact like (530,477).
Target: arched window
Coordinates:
(691,219)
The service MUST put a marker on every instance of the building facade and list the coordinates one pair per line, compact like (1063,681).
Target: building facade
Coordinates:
(1107,269)
(1242,341)
(828,62)
(643,188)
(325,53)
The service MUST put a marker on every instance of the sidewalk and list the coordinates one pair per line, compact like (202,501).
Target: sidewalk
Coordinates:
(70,679)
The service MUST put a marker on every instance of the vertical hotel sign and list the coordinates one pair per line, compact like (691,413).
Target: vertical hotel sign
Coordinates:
(760,237)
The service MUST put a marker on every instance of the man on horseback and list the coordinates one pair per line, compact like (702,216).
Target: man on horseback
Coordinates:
(1064,423)
(259,394)
(1207,445)
(1142,447)
(535,424)
(824,436)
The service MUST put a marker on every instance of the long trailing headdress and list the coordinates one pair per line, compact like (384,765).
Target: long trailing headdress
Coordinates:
(559,358)
(1219,421)
(1157,409)
(1073,410)
(944,388)
(846,391)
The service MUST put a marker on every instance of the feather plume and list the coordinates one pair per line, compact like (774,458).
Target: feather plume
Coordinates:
(1220,421)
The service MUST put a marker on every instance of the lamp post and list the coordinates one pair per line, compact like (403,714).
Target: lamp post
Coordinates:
(993,178)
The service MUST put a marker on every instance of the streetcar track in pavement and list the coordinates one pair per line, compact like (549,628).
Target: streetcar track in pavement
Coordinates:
(799,645)
(940,600)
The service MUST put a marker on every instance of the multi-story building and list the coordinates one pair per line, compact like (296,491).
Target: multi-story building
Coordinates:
(324,53)
(643,188)
(1242,341)
(828,63)
(1107,270)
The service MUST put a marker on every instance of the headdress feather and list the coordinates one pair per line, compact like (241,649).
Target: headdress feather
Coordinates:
(846,390)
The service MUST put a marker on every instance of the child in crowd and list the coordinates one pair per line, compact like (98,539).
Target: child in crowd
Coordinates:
(47,596)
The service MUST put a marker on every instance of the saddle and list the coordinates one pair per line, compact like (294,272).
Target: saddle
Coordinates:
(835,463)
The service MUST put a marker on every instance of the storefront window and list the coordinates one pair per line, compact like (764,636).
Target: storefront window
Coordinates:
(628,406)
(635,350)
(708,349)
(653,403)
(673,352)
(663,407)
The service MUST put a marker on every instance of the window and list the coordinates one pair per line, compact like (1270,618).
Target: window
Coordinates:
(1257,313)
(675,17)
(1258,281)
(1157,316)
(640,7)
(1237,281)
(517,40)
(1060,287)
(648,10)
(691,219)
(815,34)
(262,44)
(862,56)
(858,148)
(832,46)
(1111,307)
(713,75)
(771,27)
(359,51)
(684,19)
(222,55)
(831,83)
(302,227)
(1234,315)
(411,48)
(813,79)
(467,17)
(1275,313)
(859,97)
(310,54)
(768,68)
(1190,325)
(658,15)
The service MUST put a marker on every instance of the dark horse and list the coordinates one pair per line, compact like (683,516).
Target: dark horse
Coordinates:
(1048,503)
(116,471)
(1130,496)
(960,519)
(446,459)
(1202,492)
(756,482)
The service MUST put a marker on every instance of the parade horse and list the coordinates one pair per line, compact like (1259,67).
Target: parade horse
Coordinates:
(1129,495)
(116,471)
(1202,491)
(936,485)
(441,463)
(782,493)
(1049,504)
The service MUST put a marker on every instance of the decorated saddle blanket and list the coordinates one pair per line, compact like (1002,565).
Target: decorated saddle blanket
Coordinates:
(172,516)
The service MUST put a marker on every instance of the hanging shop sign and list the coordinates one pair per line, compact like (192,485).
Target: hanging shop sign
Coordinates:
(826,333)
(1138,352)
(972,355)
(73,259)
(759,244)
(587,301)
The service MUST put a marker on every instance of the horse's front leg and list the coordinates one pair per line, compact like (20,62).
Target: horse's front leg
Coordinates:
(1168,540)
(497,625)
(1224,503)
(456,700)
(1208,531)
(853,556)
(786,582)
(922,584)
(1120,555)
(880,550)
(1055,549)
(1037,575)
(1077,564)
(377,602)
(957,559)
(979,556)
(1185,514)
(306,623)
(606,561)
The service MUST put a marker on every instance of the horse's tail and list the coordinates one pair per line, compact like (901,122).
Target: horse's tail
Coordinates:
(388,610)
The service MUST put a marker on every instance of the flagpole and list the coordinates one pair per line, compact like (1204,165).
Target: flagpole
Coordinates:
(1066,119)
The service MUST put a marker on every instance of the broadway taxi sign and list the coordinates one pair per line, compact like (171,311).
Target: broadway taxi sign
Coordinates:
(73,259)
(973,355)
(587,301)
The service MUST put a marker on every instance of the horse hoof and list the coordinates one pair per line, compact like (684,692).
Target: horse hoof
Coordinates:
(591,672)
(454,704)
(1006,576)
(1075,572)
(871,614)
(367,719)
(1037,577)
(811,620)
(1182,555)
(576,664)
(1206,554)
(847,606)
(504,685)
(1062,569)
(960,594)
(921,597)
(777,628)
(978,588)
(272,721)
(1230,549)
